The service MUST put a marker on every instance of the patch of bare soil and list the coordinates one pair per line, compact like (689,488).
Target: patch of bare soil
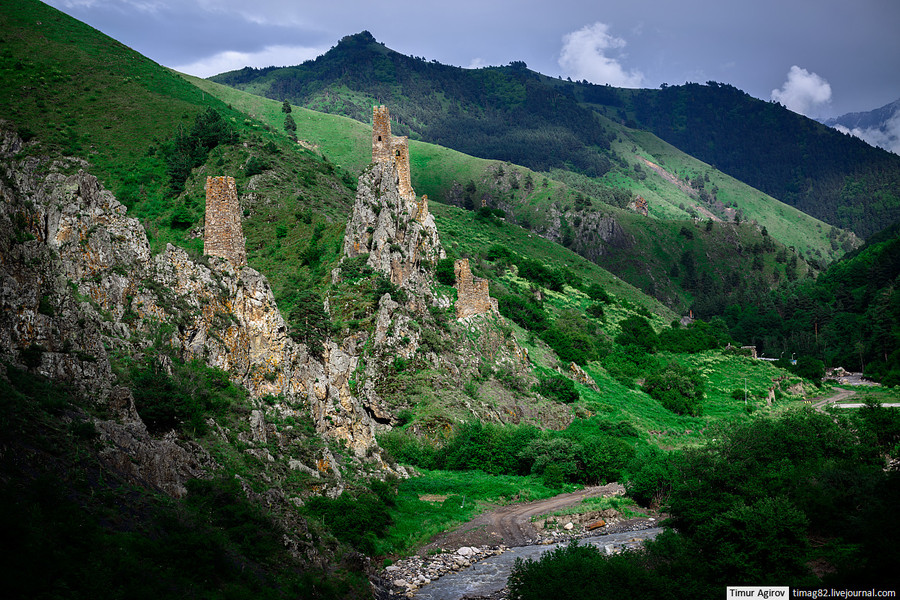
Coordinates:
(511,525)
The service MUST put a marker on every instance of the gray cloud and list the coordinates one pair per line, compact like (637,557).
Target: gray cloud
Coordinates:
(745,44)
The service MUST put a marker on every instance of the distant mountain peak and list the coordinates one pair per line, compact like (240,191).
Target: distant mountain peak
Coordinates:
(879,127)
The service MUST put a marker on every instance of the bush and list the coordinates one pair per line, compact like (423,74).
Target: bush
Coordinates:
(356,520)
(597,293)
(596,311)
(810,368)
(554,459)
(309,323)
(653,476)
(188,149)
(499,252)
(558,388)
(679,389)
(489,448)
(696,337)
(525,312)
(536,272)
(255,166)
(183,399)
(576,572)
(444,271)
(637,331)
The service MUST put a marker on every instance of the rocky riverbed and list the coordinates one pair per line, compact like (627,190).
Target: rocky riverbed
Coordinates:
(412,576)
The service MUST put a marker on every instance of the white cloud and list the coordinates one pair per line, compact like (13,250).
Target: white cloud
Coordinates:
(887,136)
(803,92)
(477,63)
(584,56)
(230,60)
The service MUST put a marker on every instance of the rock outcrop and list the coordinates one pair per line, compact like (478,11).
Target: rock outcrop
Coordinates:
(395,230)
(78,281)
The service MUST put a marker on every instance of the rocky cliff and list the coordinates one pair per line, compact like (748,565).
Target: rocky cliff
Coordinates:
(415,353)
(395,230)
(80,286)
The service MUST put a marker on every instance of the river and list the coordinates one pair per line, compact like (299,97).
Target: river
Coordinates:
(490,575)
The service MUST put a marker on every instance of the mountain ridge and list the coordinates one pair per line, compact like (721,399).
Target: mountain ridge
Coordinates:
(537,121)
(879,127)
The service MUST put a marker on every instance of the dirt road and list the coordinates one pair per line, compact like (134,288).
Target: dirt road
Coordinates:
(840,394)
(511,525)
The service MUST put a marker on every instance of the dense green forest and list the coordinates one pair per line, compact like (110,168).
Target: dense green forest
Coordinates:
(832,176)
(849,316)
(501,113)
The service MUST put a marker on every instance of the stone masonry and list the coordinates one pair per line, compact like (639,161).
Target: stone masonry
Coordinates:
(222,232)
(400,148)
(389,149)
(472,293)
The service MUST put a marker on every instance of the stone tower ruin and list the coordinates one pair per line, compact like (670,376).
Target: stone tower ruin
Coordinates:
(389,149)
(381,135)
(472,293)
(222,232)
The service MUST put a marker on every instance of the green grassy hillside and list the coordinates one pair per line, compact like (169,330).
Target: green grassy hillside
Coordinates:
(511,113)
(81,93)
(537,201)
(614,380)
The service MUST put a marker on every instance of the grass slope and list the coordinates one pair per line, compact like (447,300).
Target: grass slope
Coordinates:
(531,198)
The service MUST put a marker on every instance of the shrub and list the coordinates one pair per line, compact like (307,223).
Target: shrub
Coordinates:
(576,572)
(596,311)
(597,293)
(810,368)
(637,331)
(524,312)
(536,272)
(604,458)
(182,218)
(696,337)
(182,399)
(499,252)
(554,459)
(444,271)
(679,389)
(188,149)
(255,166)
(308,321)
(356,520)
(558,388)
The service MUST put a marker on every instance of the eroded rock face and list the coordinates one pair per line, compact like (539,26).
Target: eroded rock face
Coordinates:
(395,230)
(77,279)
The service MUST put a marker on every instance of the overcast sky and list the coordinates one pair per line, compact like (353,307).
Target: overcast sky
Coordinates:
(818,57)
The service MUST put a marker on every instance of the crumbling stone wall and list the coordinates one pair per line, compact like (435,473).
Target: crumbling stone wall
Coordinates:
(472,293)
(222,232)
(400,148)
(421,212)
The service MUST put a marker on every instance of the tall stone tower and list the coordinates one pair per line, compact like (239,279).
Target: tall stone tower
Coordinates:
(222,232)
(389,149)
(381,134)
